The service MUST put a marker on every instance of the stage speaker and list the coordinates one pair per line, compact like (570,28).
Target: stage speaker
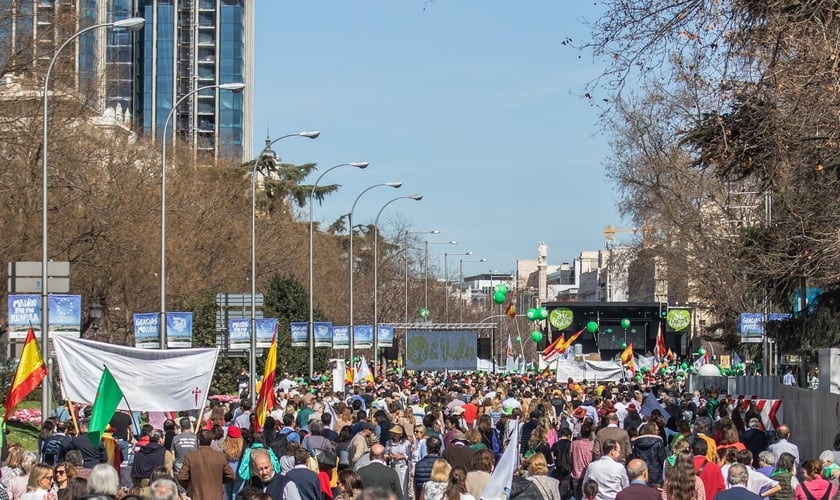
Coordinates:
(391,353)
(483,348)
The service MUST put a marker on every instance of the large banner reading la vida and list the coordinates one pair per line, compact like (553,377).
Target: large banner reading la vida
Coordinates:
(440,350)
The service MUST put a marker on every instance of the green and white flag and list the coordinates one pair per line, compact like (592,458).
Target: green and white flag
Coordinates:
(108,397)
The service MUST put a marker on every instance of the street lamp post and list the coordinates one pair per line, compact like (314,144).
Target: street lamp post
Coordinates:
(426,269)
(446,283)
(405,254)
(265,153)
(461,287)
(395,185)
(131,24)
(233,87)
(357,164)
(415,197)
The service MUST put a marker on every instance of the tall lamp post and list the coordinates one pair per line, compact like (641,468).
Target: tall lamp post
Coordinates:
(405,253)
(426,269)
(131,24)
(461,286)
(415,197)
(446,283)
(265,153)
(357,164)
(395,185)
(233,87)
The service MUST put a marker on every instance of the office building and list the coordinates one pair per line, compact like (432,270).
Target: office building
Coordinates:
(137,77)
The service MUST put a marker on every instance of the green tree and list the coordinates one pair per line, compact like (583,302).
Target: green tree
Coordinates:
(288,301)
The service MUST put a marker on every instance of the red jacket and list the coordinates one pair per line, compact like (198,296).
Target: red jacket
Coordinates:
(711,476)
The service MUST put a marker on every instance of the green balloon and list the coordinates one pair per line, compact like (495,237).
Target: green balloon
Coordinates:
(701,351)
(324,378)
(531,314)
(424,312)
(499,297)
(592,327)
(625,323)
(643,369)
(543,312)
(355,359)
(518,339)
(683,366)
(536,336)
(501,287)
(624,345)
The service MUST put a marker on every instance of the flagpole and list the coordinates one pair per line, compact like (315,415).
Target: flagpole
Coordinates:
(68,404)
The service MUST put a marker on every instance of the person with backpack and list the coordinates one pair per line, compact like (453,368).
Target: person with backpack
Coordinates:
(282,438)
(490,436)
(561,452)
(55,446)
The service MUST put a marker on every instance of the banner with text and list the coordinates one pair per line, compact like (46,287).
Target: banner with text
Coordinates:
(362,336)
(265,332)
(24,311)
(341,337)
(440,350)
(323,334)
(239,333)
(147,330)
(300,333)
(385,334)
(178,329)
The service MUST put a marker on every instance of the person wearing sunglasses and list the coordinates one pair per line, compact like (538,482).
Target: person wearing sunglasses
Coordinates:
(40,485)
(63,472)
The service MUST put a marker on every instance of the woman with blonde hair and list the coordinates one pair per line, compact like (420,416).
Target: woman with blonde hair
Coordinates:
(232,446)
(539,444)
(40,483)
(12,467)
(438,481)
(538,474)
(20,483)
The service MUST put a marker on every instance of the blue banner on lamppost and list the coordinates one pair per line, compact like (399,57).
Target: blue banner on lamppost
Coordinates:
(147,330)
(299,331)
(179,329)
(385,335)
(323,333)
(24,312)
(265,332)
(341,337)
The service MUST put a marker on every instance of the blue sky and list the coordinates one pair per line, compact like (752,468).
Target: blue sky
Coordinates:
(472,103)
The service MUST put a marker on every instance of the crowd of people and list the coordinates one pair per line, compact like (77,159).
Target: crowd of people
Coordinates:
(434,436)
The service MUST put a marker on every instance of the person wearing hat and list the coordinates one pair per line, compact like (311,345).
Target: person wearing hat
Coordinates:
(398,451)
(458,453)
(359,445)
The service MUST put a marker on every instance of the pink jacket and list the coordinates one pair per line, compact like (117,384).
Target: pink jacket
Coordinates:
(817,487)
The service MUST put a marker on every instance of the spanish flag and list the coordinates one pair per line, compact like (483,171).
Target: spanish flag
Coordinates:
(627,360)
(559,346)
(30,372)
(266,400)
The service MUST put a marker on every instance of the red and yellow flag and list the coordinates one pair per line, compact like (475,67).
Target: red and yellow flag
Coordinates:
(627,359)
(30,372)
(267,398)
(559,346)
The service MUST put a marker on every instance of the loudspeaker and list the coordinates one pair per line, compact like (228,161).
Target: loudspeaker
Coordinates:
(483,348)
(391,353)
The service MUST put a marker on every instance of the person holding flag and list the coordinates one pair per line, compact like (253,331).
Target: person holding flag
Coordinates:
(30,371)
(267,399)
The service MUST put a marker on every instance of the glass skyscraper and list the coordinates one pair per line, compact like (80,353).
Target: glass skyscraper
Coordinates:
(137,77)
(189,44)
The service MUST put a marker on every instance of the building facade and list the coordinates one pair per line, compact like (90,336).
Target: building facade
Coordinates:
(136,77)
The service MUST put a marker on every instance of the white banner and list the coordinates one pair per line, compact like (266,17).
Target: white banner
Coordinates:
(588,370)
(151,379)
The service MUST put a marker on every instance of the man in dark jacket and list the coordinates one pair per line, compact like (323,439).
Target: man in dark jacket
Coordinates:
(754,438)
(459,453)
(306,481)
(92,455)
(650,448)
(423,468)
(147,458)
(378,475)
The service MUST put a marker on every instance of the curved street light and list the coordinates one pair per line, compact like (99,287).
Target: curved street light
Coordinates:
(233,87)
(405,254)
(359,165)
(415,197)
(461,287)
(446,281)
(395,185)
(266,152)
(131,24)
(426,269)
